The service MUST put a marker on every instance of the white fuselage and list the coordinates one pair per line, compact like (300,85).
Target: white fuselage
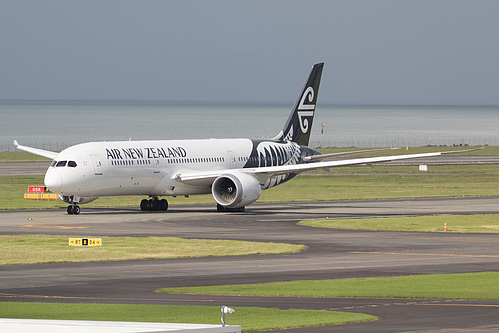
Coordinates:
(149,167)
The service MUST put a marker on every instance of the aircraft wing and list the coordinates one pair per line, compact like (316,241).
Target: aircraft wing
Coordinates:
(313,158)
(297,168)
(263,173)
(36,151)
(341,163)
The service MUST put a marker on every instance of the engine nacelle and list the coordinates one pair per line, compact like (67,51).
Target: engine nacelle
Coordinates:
(236,190)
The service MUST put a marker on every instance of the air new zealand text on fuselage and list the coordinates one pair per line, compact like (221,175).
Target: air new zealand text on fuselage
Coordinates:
(146,152)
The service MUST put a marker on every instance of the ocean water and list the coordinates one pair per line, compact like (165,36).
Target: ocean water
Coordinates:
(55,125)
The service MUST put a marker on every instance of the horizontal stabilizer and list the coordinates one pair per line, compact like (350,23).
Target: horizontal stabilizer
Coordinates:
(461,151)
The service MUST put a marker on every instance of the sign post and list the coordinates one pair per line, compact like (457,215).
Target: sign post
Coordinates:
(36,189)
(85,242)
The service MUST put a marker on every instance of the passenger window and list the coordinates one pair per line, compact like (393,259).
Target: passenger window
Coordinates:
(72,164)
(61,163)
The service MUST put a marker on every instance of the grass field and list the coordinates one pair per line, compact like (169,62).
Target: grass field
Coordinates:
(483,223)
(30,249)
(348,183)
(343,184)
(435,286)
(250,318)
(21,156)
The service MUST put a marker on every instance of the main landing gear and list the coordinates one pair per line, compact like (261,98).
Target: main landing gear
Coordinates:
(73,210)
(154,204)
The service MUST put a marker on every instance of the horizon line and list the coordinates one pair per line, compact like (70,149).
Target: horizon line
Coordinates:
(230,103)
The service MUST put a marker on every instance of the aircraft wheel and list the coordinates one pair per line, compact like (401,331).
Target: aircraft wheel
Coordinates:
(150,205)
(70,210)
(153,205)
(222,209)
(163,204)
(76,210)
(144,205)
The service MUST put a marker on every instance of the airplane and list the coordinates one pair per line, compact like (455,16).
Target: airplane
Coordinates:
(234,171)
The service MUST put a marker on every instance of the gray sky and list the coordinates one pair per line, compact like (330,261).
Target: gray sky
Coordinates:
(376,52)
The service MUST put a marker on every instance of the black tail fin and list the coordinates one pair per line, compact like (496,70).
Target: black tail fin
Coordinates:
(299,124)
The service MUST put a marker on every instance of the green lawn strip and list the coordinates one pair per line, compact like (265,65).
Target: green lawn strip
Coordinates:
(20,156)
(31,249)
(250,319)
(480,223)
(303,188)
(435,286)
(383,186)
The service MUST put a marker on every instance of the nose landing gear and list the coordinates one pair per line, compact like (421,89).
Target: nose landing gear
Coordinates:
(154,204)
(73,200)
(73,210)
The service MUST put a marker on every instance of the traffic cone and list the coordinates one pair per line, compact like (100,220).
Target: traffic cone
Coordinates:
(445,226)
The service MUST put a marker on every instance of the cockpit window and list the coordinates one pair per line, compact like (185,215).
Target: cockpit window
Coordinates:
(71,164)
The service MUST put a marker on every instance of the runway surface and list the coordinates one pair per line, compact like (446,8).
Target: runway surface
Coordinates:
(330,254)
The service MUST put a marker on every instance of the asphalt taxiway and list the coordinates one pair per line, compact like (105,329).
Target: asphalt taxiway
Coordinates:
(330,254)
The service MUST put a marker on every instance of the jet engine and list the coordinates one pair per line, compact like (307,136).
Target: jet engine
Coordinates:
(236,190)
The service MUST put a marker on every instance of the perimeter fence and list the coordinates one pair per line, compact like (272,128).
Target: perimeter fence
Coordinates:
(381,143)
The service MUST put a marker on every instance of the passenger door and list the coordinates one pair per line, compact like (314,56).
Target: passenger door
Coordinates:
(96,161)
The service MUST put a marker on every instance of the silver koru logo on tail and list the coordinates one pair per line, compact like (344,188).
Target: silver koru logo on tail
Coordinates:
(306,110)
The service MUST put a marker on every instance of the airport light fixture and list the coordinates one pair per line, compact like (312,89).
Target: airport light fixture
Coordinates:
(225,310)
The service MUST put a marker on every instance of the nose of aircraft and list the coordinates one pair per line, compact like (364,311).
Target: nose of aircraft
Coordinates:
(53,180)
